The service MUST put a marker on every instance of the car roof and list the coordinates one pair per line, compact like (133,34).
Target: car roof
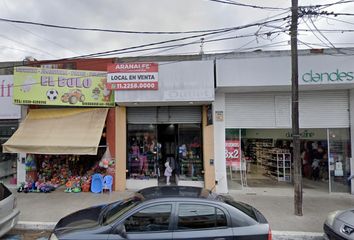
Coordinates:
(177,192)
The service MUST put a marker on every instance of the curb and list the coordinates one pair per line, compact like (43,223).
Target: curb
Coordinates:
(292,235)
(29,225)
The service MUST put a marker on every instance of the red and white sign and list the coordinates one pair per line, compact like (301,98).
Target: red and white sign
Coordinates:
(232,153)
(132,76)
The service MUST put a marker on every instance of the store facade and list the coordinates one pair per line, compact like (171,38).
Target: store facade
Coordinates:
(63,139)
(10,116)
(163,122)
(253,114)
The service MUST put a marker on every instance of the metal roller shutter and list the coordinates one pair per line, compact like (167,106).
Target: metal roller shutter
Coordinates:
(324,109)
(164,115)
(249,110)
(317,109)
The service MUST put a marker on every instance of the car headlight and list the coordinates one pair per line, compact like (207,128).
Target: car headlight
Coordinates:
(53,237)
(330,218)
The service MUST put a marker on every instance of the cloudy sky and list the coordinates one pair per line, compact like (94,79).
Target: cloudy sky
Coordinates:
(237,25)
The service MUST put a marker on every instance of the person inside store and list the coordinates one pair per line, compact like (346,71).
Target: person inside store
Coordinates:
(306,156)
(318,164)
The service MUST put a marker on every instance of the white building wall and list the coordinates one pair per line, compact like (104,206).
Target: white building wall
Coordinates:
(351,117)
(21,167)
(219,144)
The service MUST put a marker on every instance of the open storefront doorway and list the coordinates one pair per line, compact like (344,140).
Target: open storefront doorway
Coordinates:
(150,146)
(167,141)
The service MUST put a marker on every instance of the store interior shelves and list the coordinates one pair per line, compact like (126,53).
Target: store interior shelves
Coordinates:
(277,164)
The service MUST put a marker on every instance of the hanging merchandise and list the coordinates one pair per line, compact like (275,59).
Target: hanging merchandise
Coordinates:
(30,163)
(106,159)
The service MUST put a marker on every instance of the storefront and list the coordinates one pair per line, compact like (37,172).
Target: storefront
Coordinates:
(166,123)
(10,116)
(255,109)
(63,137)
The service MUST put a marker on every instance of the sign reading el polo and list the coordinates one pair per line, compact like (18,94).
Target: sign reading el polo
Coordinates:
(132,76)
(61,87)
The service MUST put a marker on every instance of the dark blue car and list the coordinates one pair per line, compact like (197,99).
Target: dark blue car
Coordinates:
(169,212)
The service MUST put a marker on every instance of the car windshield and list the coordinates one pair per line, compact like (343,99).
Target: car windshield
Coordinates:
(115,210)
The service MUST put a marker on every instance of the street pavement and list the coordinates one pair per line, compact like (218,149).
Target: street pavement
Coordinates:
(41,211)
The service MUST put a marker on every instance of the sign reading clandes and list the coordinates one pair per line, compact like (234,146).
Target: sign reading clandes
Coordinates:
(132,76)
(61,87)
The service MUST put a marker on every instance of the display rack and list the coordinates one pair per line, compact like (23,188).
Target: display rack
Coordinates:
(261,148)
(278,165)
(284,166)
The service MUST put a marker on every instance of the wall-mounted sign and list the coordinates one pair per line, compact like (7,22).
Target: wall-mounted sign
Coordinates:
(132,76)
(303,134)
(7,109)
(61,87)
(336,76)
(219,116)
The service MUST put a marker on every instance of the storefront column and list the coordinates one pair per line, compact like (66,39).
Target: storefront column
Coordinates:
(121,146)
(219,142)
(208,152)
(351,112)
(21,167)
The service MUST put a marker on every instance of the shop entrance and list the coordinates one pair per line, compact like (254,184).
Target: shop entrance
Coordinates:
(167,135)
(263,158)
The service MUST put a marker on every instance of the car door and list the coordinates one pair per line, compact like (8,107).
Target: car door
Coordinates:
(201,221)
(150,222)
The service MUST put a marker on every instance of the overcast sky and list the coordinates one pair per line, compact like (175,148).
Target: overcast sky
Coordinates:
(20,40)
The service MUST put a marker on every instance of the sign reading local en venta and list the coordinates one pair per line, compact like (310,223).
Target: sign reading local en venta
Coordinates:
(132,76)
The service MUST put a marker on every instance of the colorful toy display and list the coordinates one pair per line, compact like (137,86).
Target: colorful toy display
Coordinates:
(73,173)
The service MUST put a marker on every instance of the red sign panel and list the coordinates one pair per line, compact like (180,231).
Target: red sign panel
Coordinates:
(232,153)
(132,76)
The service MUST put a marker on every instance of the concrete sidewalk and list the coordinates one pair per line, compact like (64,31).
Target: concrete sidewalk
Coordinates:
(43,210)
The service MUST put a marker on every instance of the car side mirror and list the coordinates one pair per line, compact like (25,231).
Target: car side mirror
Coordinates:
(120,230)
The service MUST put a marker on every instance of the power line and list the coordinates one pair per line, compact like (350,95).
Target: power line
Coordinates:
(110,30)
(322,34)
(182,38)
(25,44)
(246,5)
(37,35)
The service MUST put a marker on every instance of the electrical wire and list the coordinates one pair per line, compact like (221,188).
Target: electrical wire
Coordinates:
(25,44)
(246,5)
(37,35)
(111,30)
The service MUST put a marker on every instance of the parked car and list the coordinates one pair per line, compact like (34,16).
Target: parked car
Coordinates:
(340,225)
(9,213)
(168,212)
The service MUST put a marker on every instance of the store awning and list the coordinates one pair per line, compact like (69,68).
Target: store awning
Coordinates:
(59,131)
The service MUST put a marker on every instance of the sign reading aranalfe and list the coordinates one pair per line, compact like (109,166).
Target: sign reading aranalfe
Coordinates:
(61,87)
(132,76)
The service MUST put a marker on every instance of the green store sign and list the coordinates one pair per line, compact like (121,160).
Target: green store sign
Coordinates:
(304,134)
(327,77)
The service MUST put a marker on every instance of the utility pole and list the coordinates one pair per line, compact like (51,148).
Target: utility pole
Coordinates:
(295,111)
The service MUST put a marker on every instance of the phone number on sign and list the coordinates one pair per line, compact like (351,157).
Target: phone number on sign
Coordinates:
(134,86)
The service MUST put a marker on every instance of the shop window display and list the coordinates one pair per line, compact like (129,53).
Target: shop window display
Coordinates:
(190,152)
(45,173)
(325,155)
(151,146)
(142,152)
